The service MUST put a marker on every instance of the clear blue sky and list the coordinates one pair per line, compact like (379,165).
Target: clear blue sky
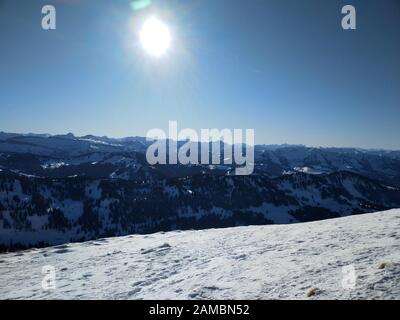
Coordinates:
(283,67)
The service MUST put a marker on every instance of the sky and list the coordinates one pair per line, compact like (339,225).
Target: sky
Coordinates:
(284,68)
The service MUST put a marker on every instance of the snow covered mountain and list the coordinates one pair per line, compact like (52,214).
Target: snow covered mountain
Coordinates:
(355,257)
(47,211)
(66,145)
(376,164)
(103,157)
(61,188)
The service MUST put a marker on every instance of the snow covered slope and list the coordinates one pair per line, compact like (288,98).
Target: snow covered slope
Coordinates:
(39,212)
(258,262)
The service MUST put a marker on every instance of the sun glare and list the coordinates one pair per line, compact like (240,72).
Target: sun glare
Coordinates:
(155,37)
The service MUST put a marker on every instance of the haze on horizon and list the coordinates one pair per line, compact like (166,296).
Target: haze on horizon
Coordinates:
(286,69)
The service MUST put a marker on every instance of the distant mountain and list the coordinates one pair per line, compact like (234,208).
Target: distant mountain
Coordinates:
(102,157)
(381,165)
(62,188)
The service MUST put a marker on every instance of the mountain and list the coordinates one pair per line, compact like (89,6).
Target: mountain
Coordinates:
(62,156)
(46,211)
(56,189)
(355,257)
(377,164)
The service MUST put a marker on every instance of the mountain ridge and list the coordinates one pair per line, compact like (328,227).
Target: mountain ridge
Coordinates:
(59,189)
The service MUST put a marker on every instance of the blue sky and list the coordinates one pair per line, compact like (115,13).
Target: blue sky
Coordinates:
(283,67)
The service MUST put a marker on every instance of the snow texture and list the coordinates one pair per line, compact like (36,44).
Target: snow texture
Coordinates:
(298,261)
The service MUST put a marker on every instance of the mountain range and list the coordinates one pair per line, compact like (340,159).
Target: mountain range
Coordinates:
(61,188)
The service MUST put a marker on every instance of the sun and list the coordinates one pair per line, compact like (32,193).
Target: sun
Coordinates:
(155,37)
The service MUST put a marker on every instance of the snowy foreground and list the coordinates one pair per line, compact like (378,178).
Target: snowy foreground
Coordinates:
(260,262)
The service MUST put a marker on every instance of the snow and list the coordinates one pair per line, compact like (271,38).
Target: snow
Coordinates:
(309,170)
(72,209)
(93,191)
(95,141)
(256,262)
(38,222)
(278,214)
(54,165)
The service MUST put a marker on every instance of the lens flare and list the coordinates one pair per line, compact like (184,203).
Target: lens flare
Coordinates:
(140,4)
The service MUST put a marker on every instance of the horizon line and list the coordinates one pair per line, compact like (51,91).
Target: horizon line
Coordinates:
(256,144)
